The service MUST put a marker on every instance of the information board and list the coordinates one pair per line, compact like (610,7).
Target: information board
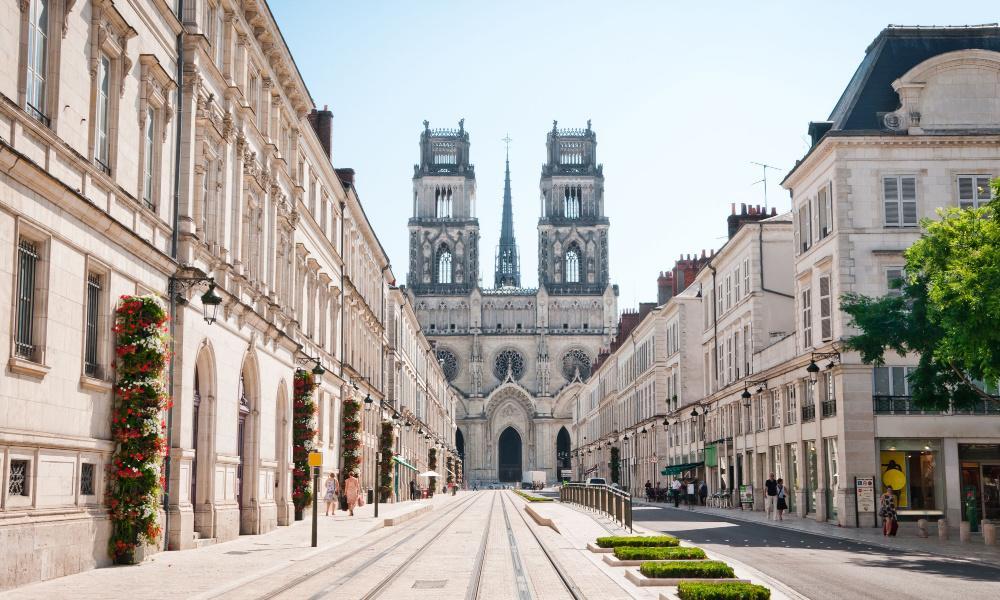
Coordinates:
(864,490)
(746,495)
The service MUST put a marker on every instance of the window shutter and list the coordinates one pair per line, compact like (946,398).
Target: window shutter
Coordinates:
(825,316)
(966,192)
(795,232)
(890,191)
(908,187)
(983,191)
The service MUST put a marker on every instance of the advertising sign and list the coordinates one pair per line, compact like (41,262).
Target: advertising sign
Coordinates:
(746,495)
(864,489)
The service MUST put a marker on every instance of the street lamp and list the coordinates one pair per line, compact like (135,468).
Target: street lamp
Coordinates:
(813,370)
(210,301)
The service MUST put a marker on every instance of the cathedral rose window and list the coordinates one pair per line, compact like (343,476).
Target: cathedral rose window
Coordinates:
(449,364)
(573,360)
(508,360)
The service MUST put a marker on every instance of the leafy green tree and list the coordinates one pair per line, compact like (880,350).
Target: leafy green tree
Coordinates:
(947,309)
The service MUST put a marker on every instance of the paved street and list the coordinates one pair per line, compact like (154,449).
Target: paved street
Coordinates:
(825,568)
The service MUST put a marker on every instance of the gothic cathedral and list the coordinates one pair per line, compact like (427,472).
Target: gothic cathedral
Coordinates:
(516,354)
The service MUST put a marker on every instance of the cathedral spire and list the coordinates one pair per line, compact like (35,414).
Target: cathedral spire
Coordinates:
(508,272)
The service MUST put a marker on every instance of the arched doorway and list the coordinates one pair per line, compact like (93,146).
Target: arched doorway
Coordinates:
(243,416)
(562,454)
(510,455)
(203,412)
(460,444)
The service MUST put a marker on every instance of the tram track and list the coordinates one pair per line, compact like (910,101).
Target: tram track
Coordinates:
(472,593)
(372,546)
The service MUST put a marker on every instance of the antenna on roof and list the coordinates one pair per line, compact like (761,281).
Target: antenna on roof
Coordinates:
(763,179)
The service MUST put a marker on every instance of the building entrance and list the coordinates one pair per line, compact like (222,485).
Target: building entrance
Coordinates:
(509,455)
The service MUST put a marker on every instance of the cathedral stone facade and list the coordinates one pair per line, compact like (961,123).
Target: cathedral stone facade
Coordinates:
(514,353)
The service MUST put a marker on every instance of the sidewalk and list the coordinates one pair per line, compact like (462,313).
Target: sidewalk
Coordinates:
(905,541)
(208,571)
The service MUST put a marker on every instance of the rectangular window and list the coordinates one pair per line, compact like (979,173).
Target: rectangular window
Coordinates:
(747,349)
(761,408)
(807,318)
(900,201)
(738,280)
(828,394)
(746,276)
(729,292)
(92,355)
(893,281)
(824,205)
(791,406)
(973,190)
(775,408)
(718,301)
(891,381)
(252,92)
(25,342)
(825,309)
(737,351)
(149,149)
(18,483)
(87,472)
(102,131)
(38,42)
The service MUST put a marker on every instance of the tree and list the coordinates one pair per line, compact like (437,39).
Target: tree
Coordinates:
(947,309)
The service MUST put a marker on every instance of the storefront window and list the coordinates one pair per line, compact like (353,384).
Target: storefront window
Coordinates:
(911,468)
(980,468)
(793,484)
(812,475)
(832,475)
(776,462)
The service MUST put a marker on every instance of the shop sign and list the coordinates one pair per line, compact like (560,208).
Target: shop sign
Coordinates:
(746,495)
(864,490)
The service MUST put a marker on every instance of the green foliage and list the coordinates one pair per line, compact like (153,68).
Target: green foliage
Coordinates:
(615,541)
(386,442)
(948,309)
(712,569)
(303,437)
(658,553)
(531,498)
(615,464)
(693,590)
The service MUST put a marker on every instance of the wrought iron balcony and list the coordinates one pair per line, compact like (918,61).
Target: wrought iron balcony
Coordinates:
(829,408)
(808,413)
(904,405)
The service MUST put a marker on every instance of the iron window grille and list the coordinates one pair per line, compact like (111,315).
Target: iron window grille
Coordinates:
(91,361)
(24,339)
(17,483)
(87,479)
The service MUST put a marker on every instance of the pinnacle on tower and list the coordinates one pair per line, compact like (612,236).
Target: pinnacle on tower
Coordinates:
(508,272)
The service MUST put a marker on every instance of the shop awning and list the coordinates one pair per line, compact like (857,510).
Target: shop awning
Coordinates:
(678,469)
(398,460)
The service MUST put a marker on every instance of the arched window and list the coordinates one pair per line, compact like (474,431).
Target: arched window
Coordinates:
(442,202)
(573,264)
(444,264)
(571,202)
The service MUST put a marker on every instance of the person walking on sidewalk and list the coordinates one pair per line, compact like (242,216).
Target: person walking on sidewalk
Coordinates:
(782,505)
(703,493)
(414,494)
(331,494)
(649,490)
(770,496)
(675,490)
(352,489)
(887,510)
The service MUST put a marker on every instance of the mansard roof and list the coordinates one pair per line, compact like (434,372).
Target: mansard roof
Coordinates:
(895,51)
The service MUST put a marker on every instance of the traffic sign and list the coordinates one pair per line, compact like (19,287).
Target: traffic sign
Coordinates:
(315,459)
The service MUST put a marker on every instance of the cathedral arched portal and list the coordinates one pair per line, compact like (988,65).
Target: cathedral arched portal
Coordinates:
(509,453)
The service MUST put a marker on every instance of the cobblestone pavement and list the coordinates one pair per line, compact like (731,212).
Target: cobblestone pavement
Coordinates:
(822,567)
(905,541)
(475,545)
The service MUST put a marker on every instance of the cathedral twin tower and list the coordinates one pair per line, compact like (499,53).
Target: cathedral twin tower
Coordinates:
(513,352)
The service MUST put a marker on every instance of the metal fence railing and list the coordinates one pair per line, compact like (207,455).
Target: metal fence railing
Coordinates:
(613,502)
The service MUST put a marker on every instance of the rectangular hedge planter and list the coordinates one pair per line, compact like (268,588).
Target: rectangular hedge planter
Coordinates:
(615,562)
(692,590)
(679,569)
(637,541)
(641,580)
(658,553)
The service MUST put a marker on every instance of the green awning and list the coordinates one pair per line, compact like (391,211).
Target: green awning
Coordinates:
(678,469)
(398,460)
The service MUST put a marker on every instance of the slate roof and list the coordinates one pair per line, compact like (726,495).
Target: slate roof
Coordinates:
(896,50)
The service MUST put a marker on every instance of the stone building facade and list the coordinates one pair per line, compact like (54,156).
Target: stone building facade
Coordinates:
(145,151)
(512,352)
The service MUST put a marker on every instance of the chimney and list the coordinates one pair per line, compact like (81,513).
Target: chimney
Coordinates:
(664,287)
(346,176)
(322,124)
(750,214)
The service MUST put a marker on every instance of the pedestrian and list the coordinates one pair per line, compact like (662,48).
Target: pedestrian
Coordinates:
(887,510)
(675,490)
(703,492)
(690,494)
(649,490)
(657,492)
(331,494)
(782,504)
(413,490)
(352,489)
(770,498)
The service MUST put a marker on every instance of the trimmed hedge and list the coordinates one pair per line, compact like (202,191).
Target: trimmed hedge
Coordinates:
(713,569)
(693,590)
(531,498)
(658,553)
(634,540)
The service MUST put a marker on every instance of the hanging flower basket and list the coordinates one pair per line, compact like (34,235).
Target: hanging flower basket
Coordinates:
(386,440)
(432,463)
(351,425)
(135,481)
(303,439)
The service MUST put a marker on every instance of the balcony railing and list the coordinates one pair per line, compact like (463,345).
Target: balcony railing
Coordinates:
(808,413)
(904,405)
(829,408)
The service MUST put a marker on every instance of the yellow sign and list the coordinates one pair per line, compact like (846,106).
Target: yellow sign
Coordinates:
(315,459)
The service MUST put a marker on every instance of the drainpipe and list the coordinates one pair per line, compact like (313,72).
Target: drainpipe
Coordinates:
(179,122)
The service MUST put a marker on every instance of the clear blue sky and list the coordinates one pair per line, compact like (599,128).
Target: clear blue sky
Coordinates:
(683,96)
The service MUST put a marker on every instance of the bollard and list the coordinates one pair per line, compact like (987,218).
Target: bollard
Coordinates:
(964,532)
(989,534)
(942,525)
(922,528)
